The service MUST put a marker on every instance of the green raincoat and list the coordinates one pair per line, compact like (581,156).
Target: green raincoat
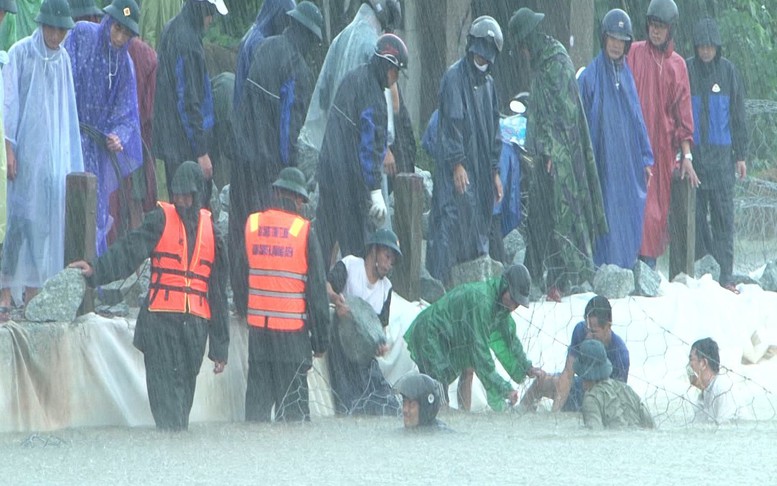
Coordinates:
(566,210)
(153,17)
(21,24)
(460,330)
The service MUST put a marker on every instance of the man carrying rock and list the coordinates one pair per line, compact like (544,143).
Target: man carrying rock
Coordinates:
(360,389)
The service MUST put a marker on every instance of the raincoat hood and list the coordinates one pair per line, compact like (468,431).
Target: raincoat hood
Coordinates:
(272,18)
(706,33)
(189,179)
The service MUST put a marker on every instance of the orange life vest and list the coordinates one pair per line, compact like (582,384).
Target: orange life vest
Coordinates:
(277,251)
(177,284)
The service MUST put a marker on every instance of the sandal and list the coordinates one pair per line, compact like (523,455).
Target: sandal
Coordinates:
(731,288)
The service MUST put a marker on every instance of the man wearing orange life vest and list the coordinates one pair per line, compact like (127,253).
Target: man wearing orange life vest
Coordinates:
(187,302)
(288,306)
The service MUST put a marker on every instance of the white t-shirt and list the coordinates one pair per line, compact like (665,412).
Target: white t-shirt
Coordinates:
(357,284)
(716,403)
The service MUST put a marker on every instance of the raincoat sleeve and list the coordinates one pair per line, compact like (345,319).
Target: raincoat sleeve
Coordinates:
(127,254)
(497,388)
(372,143)
(740,136)
(682,112)
(190,92)
(11,113)
(295,96)
(316,296)
(560,110)
(509,350)
(450,127)
(218,330)
(496,142)
(124,121)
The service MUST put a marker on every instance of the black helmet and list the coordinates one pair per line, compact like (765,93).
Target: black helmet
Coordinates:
(523,22)
(126,13)
(706,33)
(385,237)
(485,38)
(8,6)
(55,13)
(292,180)
(664,11)
(617,24)
(426,391)
(389,13)
(307,14)
(518,283)
(393,49)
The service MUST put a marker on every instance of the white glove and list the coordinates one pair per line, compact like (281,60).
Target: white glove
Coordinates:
(378,208)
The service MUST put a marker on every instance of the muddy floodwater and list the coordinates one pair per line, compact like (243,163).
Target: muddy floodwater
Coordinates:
(486,448)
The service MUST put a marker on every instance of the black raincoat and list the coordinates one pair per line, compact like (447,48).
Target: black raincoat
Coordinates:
(183,107)
(467,134)
(351,159)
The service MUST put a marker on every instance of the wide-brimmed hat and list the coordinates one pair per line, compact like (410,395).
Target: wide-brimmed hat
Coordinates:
(307,14)
(84,8)
(385,237)
(125,12)
(8,6)
(592,363)
(55,13)
(292,179)
(523,22)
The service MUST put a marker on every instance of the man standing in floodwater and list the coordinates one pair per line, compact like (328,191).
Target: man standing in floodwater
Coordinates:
(179,315)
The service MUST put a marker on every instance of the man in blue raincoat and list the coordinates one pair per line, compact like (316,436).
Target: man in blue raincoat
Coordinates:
(620,142)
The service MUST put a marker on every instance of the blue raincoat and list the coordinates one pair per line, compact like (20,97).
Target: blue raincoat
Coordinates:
(107,99)
(622,151)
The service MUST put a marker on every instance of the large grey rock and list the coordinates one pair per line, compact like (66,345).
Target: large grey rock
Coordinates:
(361,332)
(130,291)
(613,282)
(646,280)
(482,268)
(215,202)
(431,288)
(515,247)
(59,299)
(769,278)
(583,288)
(428,187)
(425,225)
(682,278)
(119,310)
(224,198)
(707,264)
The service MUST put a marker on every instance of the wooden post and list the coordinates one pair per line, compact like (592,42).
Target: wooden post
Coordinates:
(81,225)
(682,229)
(408,207)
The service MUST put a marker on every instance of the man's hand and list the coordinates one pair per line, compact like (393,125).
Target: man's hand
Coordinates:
(113,142)
(10,162)
(648,176)
(382,350)
(206,165)
(460,178)
(686,170)
(512,398)
(218,367)
(535,372)
(741,169)
(498,189)
(378,207)
(389,164)
(86,269)
(549,165)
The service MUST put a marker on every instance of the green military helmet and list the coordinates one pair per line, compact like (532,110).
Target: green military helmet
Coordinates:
(8,6)
(385,237)
(125,12)
(592,363)
(292,179)
(84,8)
(523,23)
(426,391)
(307,14)
(55,13)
